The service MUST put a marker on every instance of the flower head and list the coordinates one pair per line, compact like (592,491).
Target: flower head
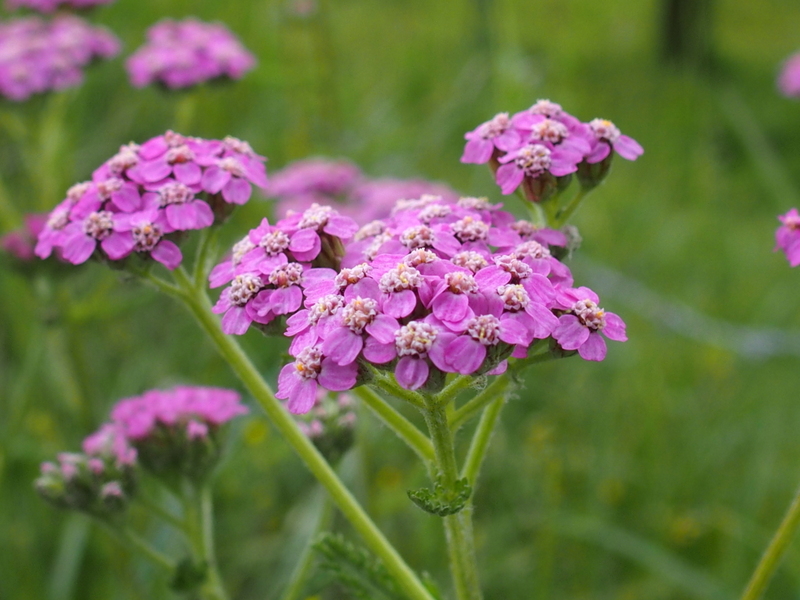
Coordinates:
(787,236)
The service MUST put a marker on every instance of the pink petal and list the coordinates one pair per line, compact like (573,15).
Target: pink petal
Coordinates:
(465,355)
(570,334)
(594,348)
(337,378)
(378,353)
(477,151)
(400,304)
(342,346)
(236,321)
(628,148)
(411,372)
(167,253)
(188,173)
(450,307)
(237,191)
(118,245)
(302,397)
(615,328)
(509,177)
(214,179)
(383,328)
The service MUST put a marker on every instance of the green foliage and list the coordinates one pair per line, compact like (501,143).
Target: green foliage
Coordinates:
(356,569)
(189,575)
(442,501)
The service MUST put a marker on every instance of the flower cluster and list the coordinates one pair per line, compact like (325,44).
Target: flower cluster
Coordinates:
(789,78)
(538,148)
(439,287)
(181,54)
(175,432)
(342,184)
(38,56)
(48,6)
(787,236)
(146,194)
(21,242)
(100,481)
(330,424)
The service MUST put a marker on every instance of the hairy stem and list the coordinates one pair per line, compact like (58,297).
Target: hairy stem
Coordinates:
(774,554)
(480,441)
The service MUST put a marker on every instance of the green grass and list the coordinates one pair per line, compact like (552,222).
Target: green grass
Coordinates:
(658,473)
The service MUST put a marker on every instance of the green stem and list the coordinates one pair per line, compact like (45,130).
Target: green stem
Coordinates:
(162,513)
(480,441)
(300,573)
(404,428)
(212,588)
(563,215)
(471,408)
(452,389)
(388,385)
(458,527)
(204,256)
(133,541)
(774,554)
(198,304)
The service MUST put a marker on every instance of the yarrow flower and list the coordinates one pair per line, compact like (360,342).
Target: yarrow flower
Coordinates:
(181,54)
(787,236)
(48,6)
(537,149)
(341,184)
(176,432)
(38,56)
(438,287)
(21,242)
(142,198)
(789,78)
(100,481)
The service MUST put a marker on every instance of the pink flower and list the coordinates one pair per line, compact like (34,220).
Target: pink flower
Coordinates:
(533,161)
(298,381)
(608,136)
(487,138)
(181,54)
(787,236)
(583,321)
(21,242)
(789,78)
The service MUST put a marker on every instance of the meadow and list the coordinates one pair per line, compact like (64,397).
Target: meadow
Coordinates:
(661,472)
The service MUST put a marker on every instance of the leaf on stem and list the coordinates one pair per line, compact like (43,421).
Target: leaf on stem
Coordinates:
(441,501)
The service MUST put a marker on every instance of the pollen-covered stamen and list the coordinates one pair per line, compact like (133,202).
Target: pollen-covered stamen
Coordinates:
(415,339)
(174,139)
(99,224)
(546,108)
(274,242)
(286,275)
(315,217)
(402,277)
(108,187)
(369,230)
(531,249)
(231,165)
(241,248)
(549,131)
(791,222)
(77,191)
(515,267)
(325,307)
(244,288)
(524,228)
(180,154)
(434,211)
(459,282)
(514,296)
(372,250)
(497,126)
(470,260)
(534,159)
(358,313)
(474,203)
(146,236)
(175,193)
(604,129)
(236,145)
(58,219)
(589,314)
(420,256)
(418,236)
(351,276)
(414,203)
(308,363)
(469,229)
(124,159)
(485,329)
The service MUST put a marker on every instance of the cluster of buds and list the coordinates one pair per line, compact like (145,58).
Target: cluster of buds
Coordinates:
(787,236)
(177,432)
(342,184)
(100,481)
(49,6)
(330,424)
(38,56)
(438,287)
(540,148)
(180,54)
(142,198)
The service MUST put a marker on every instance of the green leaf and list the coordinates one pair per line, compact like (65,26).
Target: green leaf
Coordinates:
(189,575)
(356,569)
(441,501)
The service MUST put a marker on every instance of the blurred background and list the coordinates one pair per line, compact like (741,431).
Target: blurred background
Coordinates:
(660,473)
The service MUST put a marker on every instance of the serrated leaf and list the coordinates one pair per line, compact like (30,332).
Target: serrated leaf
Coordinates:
(441,501)
(356,569)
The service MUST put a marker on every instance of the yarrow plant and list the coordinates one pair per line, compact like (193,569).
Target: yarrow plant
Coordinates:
(181,54)
(438,304)
(38,56)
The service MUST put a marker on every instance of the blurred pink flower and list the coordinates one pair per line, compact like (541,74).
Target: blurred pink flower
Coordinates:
(789,78)
(787,237)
